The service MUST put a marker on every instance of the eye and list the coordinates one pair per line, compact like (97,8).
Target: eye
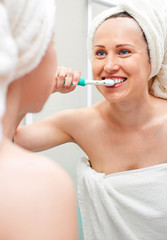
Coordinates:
(100,53)
(124,52)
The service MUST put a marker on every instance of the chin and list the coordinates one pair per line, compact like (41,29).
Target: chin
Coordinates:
(116,98)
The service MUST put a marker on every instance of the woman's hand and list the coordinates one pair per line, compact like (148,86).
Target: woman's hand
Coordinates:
(66,80)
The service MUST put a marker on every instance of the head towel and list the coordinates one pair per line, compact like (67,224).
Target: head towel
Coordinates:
(151,15)
(26,28)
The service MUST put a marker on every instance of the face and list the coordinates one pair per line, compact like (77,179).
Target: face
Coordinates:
(40,82)
(120,53)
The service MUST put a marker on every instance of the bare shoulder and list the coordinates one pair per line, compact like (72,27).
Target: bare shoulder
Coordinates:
(22,165)
(160,107)
(159,102)
(75,115)
(39,191)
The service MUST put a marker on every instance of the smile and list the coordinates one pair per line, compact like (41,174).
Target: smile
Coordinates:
(118,80)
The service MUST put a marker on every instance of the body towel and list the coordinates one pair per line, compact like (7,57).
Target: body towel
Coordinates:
(129,205)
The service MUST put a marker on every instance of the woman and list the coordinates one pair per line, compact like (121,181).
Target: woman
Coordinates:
(37,197)
(123,181)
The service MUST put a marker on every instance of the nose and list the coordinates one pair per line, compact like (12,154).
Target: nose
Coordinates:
(111,64)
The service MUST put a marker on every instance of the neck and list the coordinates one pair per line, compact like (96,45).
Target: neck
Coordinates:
(132,114)
(12,113)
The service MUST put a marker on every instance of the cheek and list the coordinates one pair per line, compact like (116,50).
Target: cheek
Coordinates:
(141,74)
(49,70)
(138,66)
(44,79)
(144,70)
(148,67)
(53,62)
(97,67)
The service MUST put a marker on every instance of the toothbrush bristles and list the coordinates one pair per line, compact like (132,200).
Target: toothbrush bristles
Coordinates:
(109,82)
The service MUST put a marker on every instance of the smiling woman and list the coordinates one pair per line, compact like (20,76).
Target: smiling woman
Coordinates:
(121,53)
(122,183)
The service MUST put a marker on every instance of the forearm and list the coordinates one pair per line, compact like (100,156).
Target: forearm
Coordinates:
(42,135)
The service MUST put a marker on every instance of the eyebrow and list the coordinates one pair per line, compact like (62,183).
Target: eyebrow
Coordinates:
(99,46)
(117,46)
(124,44)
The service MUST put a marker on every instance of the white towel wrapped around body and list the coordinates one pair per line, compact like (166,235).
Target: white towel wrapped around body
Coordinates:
(128,205)
(151,15)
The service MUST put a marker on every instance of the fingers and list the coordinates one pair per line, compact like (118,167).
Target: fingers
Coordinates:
(60,77)
(76,77)
(66,79)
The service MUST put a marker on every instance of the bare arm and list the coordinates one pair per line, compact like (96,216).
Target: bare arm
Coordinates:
(47,133)
(54,130)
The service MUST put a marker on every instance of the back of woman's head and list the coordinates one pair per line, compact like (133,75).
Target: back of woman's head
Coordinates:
(26,28)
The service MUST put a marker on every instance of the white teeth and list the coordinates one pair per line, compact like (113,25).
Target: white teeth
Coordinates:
(119,80)
(116,80)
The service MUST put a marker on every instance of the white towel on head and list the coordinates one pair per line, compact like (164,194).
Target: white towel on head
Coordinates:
(152,18)
(32,23)
(26,28)
(8,51)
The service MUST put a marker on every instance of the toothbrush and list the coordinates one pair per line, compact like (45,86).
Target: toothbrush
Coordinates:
(108,82)
(84,82)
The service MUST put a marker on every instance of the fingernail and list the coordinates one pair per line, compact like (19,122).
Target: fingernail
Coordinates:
(75,83)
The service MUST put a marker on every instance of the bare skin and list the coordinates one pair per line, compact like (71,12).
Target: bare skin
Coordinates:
(37,196)
(125,131)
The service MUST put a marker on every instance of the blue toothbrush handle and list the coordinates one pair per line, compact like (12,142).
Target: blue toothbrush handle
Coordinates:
(81,82)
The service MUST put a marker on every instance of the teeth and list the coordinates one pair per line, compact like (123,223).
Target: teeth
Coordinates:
(117,80)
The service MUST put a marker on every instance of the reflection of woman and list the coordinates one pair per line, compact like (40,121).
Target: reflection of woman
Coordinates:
(123,184)
(37,198)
